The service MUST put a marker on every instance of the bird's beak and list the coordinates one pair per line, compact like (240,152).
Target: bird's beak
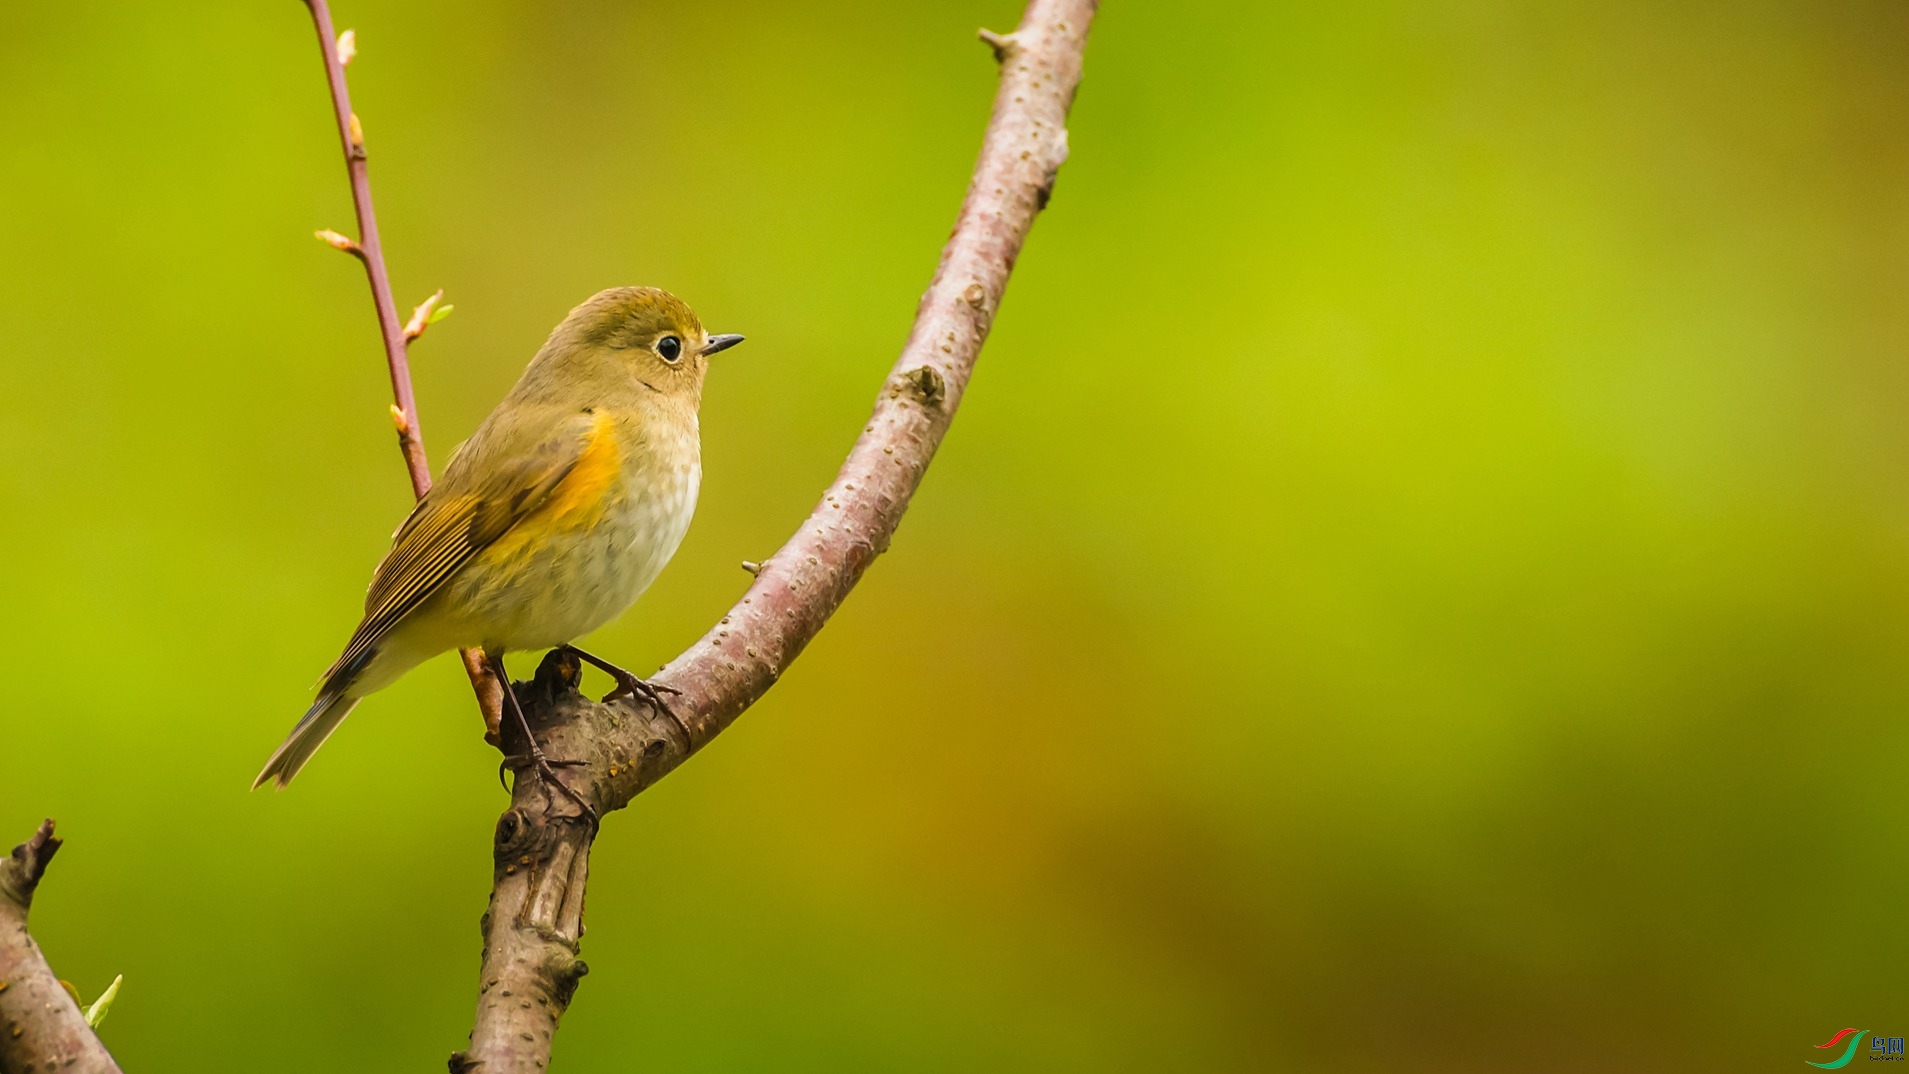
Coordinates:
(720,343)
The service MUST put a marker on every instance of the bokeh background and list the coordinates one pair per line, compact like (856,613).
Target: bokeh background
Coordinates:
(1420,581)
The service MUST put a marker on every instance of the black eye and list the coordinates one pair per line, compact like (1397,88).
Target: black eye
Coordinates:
(670,348)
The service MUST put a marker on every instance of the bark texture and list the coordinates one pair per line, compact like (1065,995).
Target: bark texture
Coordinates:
(531,966)
(41,1028)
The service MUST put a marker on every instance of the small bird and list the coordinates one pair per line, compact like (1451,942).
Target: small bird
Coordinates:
(550,521)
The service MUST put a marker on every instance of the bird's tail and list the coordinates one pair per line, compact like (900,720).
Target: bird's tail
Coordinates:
(320,721)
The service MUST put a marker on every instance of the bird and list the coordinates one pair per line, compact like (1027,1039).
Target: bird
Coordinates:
(549,522)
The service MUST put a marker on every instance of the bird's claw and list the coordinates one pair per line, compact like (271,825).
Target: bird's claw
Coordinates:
(545,769)
(652,692)
(628,685)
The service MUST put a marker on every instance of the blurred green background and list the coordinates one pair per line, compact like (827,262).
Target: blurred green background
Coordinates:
(1418,583)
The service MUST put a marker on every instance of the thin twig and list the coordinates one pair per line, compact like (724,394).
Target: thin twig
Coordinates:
(370,252)
(351,137)
(616,750)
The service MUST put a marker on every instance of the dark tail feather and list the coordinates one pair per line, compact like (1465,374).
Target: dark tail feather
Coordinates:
(320,721)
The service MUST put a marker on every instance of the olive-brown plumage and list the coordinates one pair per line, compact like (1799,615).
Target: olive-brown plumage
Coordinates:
(552,519)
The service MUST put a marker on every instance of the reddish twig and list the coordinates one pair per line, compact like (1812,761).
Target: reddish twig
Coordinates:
(396,335)
(541,849)
(41,1027)
(368,250)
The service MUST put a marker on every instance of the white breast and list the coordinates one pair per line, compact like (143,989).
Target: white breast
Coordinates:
(618,559)
(585,578)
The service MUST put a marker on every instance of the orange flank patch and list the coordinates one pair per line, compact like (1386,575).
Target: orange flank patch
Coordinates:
(582,490)
(575,503)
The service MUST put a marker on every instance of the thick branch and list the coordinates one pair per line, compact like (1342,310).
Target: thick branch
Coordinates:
(41,1027)
(798,588)
(542,848)
(396,338)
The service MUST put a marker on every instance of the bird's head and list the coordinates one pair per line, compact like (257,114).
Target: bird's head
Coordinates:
(647,333)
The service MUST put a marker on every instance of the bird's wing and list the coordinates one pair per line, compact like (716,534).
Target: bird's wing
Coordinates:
(458,519)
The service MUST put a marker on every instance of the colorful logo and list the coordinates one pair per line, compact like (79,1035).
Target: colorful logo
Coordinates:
(1848,1053)
(1883,1048)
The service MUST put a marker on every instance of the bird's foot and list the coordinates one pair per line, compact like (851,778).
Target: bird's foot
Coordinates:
(629,685)
(651,692)
(546,771)
(514,761)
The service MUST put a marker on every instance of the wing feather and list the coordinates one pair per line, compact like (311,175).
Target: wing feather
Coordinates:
(452,525)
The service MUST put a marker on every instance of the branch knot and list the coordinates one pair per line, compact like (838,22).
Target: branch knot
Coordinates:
(1004,45)
(924,382)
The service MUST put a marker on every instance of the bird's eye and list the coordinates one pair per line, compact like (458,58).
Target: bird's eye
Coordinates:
(670,348)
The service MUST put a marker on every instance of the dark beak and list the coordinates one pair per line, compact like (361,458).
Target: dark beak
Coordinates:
(720,343)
